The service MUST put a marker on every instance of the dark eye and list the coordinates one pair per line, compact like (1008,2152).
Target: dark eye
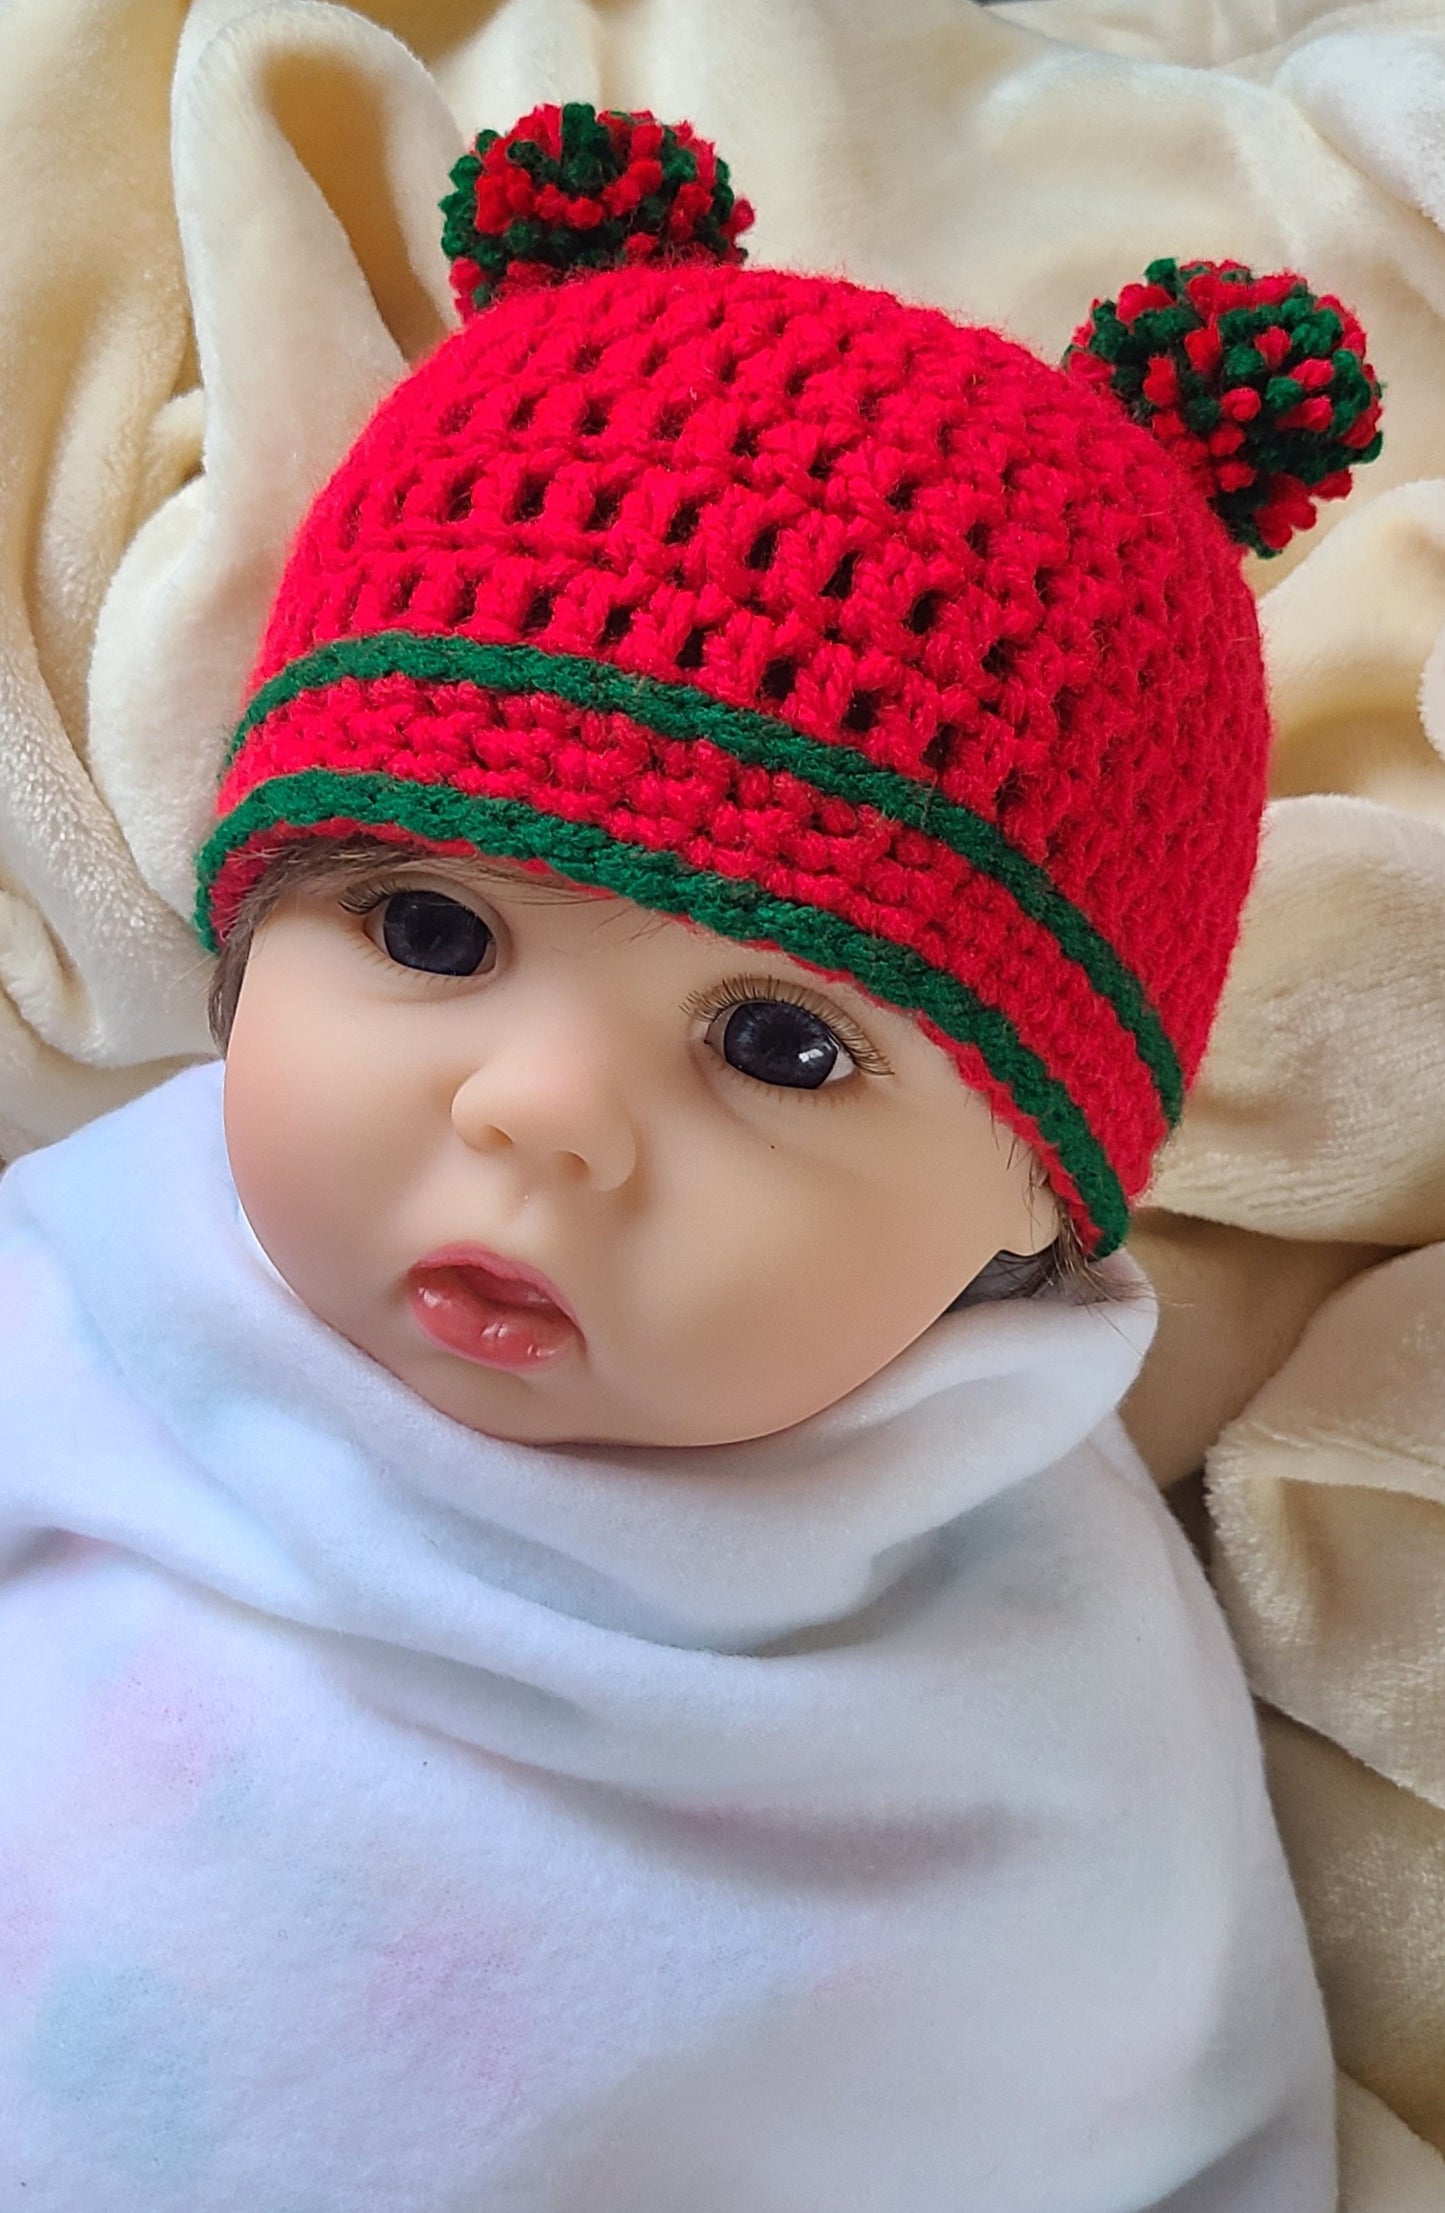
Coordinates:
(425,929)
(774,1042)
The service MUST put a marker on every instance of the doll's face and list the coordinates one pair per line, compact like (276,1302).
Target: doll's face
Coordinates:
(746,1188)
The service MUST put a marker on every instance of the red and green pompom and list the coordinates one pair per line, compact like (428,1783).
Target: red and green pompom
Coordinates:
(569,188)
(1258,385)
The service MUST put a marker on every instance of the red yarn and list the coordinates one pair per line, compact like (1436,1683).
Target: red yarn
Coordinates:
(570,188)
(1257,386)
(889,533)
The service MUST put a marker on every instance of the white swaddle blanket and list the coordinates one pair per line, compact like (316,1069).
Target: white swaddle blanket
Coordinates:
(868,1818)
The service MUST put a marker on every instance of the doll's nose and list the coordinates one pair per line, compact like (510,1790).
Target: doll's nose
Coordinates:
(557,1099)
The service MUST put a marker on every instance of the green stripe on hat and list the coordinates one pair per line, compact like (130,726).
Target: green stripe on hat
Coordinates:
(513,830)
(684,711)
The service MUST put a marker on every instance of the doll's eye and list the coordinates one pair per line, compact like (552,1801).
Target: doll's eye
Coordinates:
(425,929)
(775,1042)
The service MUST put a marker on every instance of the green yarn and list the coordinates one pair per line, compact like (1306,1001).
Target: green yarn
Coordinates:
(588,162)
(682,711)
(513,830)
(458,209)
(1314,330)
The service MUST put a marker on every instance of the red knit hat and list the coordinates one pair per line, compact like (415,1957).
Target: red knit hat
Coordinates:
(820,619)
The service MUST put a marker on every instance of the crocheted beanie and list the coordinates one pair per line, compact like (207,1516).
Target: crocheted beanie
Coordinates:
(777,603)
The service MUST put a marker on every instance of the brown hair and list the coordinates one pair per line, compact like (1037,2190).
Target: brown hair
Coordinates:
(1063,1264)
(309,864)
(331,863)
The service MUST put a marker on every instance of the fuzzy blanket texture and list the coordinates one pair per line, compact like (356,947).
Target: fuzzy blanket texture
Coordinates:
(219,248)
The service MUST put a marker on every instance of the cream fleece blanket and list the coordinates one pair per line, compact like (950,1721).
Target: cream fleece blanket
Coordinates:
(192,329)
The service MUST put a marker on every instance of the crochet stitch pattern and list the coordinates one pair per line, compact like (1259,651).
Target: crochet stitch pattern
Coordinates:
(813,616)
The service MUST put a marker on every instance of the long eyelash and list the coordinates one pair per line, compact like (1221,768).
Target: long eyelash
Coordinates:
(366,898)
(705,1005)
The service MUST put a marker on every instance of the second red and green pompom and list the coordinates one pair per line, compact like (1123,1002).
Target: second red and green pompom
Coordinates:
(1260,387)
(569,188)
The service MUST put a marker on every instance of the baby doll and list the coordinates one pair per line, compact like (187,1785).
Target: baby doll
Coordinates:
(550,1664)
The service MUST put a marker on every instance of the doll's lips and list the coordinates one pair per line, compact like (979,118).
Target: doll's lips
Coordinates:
(498,1313)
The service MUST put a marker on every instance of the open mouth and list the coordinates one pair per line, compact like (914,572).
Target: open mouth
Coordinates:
(479,1309)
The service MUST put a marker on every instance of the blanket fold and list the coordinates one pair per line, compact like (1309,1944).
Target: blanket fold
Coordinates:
(601,1830)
